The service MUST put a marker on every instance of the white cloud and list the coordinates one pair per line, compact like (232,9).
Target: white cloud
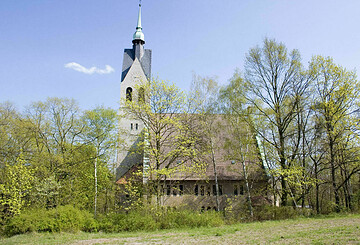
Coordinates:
(77,67)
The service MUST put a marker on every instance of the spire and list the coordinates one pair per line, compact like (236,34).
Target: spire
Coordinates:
(138,36)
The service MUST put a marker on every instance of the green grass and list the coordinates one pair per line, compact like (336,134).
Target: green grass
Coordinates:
(341,229)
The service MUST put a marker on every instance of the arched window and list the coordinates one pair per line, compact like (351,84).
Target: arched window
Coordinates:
(141,95)
(129,94)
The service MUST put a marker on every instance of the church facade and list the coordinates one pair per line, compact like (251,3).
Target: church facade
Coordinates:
(178,190)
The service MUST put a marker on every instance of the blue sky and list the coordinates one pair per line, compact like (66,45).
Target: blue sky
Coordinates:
(209,38)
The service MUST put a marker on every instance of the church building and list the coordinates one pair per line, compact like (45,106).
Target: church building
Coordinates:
(194,191)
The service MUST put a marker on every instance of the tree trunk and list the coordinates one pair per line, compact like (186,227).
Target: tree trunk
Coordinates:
(215,176)
(281,151)
(333,176)
(247,189)
(95,183)
(317,189)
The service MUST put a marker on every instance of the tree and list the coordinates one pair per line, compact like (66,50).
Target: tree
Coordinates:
(243,146)
(276,84)
(206,90)
(169,136)
(335,106)
(100,132)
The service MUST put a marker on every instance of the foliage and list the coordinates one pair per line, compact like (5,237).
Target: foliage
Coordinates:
(305,123)
(70,219)
(335,108)
(16,183)
(155,218)
(47,156)
(63,218)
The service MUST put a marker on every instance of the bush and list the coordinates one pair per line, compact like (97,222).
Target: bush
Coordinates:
(64,218)
(70,219)
(268,212)
(188,218)
(151,218)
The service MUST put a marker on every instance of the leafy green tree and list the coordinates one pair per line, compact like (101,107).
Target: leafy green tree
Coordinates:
(206,92)
(169,136)
(100,125)
(243,147)
(276,84)
(335,106)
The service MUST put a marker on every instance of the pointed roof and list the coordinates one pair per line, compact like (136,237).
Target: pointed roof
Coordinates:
(139,35)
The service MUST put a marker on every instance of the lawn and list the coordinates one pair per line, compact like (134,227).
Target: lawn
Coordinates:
(343,229)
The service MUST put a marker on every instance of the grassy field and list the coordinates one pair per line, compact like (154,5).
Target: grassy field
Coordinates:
(343,229)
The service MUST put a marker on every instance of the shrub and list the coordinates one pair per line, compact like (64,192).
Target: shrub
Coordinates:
(64,218)
(152,218)
(70,219)
(268,212)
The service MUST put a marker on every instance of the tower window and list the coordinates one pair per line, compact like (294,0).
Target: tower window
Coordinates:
(136,126)
(129,94)
(141,95)
(131,126)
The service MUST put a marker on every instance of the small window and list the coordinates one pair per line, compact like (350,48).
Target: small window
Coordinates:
(131,126)
(235,190)
(174,190)
(202,190)
(129,94)
(209,190)
(241,190)
(141,95)
(196,190)
(168,190)
(181,189)
(136,126)
(214,190)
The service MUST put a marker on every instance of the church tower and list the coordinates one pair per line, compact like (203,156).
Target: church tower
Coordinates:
(136,70)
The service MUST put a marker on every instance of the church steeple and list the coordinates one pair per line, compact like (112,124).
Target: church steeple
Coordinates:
(137,52)
(138,36)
